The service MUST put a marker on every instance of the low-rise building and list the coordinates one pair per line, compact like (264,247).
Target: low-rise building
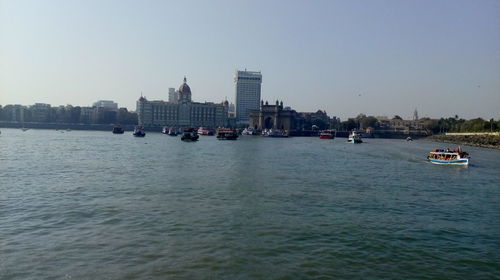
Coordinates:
(87,114)
(398,125)
(107,104)
(40,112)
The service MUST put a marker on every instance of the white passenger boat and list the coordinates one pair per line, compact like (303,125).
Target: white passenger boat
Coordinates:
(249,131)
(205,131)
(139,131)
(277,133)
(354,137)
(449,157)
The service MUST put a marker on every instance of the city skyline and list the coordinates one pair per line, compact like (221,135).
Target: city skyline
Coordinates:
(344,57)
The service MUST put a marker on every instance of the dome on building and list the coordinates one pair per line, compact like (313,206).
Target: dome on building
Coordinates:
(142,98)
(184,88)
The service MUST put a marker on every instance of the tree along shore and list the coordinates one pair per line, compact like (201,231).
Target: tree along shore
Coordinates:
(485,141)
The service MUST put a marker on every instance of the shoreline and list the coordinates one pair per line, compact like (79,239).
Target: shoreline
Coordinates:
(63,126)
(483,141)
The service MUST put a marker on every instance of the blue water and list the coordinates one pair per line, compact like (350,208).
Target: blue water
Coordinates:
(93,205)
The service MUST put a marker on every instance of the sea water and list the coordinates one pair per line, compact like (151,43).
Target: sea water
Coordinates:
(93,205)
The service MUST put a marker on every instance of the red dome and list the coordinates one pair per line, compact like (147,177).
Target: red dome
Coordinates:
(184,88)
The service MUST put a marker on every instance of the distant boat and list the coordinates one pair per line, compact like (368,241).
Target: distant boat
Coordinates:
(118,129)
(327,134)
(276,133)
(205,131)
(24,129)
(227,134)
(172,132)
(249,131)
(354,138)
(409,138)
(169,131)
(448,157)
(139,131)
(190,135)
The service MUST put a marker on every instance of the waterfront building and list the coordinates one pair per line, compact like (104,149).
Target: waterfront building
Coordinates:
(232,110)
(15,113)
(247,91)
(183,113)
(40,112)
(277,116)
(107,104)
(87,115)
(18,112)
(274,117)
(173,95)
(401,126)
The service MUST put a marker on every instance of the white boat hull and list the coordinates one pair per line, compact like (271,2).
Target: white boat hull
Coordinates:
(354,141)
(463,161)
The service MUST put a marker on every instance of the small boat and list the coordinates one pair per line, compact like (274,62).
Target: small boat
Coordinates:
(139,131)
(327,134)
(118,129)
(169,131)
(354,137)
(409,139)
(276,133)
(172,132)
(449,157)
(24,129)
(227,134)
(205,131)
(190,135)
(249,131)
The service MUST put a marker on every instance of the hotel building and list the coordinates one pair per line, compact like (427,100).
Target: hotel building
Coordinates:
(181,113)
(247,88)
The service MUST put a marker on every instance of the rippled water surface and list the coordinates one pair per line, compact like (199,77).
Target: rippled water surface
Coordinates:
(93,205)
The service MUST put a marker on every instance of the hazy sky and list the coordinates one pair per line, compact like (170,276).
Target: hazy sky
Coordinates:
(345,57)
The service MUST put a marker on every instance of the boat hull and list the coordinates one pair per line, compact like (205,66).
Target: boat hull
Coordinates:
(463,161)
(228,137)
(190,138)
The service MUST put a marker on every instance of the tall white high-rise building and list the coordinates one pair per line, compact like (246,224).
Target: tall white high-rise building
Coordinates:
(247,88)
(173,95)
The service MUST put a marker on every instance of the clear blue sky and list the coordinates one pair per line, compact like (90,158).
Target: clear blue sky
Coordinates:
(345,57)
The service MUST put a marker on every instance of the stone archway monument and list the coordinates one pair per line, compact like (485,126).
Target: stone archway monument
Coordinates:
(272,117)
(268,123)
